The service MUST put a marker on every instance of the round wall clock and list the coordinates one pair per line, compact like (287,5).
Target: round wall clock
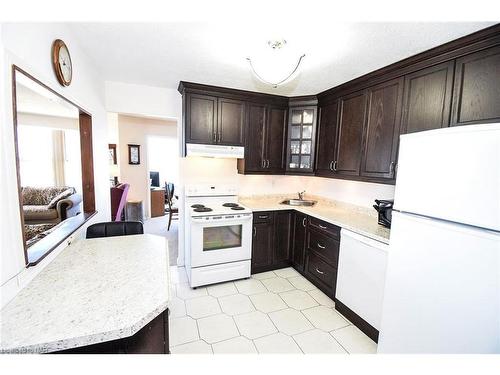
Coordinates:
(61,61)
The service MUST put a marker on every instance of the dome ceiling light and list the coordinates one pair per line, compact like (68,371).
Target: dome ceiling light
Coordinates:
(276,64)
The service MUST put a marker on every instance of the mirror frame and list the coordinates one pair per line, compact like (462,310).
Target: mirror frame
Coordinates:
(85,125)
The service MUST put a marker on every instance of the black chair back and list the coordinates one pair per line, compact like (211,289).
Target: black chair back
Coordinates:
(115,228)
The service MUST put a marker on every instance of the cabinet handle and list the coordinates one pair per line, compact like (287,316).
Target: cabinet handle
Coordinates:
(391,168)
(263,216)
(320,246)
(263,163)
(321,226)
(335,166)
(254,231)
(304,222)
(331,166)
(318,271)
(267,166)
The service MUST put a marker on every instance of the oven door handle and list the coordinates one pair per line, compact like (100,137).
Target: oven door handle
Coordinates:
(242,220)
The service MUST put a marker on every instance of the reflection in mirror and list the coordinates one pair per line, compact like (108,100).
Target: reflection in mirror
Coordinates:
(49,162)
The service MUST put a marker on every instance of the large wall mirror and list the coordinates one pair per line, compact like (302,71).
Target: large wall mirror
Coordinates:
(54,165)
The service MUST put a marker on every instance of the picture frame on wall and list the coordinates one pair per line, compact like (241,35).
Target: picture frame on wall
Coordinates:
(134,154)
(112,154)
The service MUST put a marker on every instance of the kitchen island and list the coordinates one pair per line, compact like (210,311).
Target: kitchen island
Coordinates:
(95,291)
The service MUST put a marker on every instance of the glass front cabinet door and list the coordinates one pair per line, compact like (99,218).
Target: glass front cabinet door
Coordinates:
(301,139)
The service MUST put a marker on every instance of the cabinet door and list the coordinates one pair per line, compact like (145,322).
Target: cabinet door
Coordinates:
(350,134)
(231,120)
(262,246)
(427,98)
(325,153)
(201,119)
(275,139)
(477,88)
(283,225)
(299,241)
(301,136)
(382,129)
(254,150)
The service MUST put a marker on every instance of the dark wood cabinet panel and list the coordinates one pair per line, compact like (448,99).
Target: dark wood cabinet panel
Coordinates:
(275,137)
(254,150)
(262,246)
(382,129)
(201,119)
(321,274)
(153,338)
(231,121)
(427,98)
(477,88)
(299,241)
(350,134)
(282,238)
(327,128)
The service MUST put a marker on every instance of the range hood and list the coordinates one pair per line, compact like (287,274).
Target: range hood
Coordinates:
(215,151)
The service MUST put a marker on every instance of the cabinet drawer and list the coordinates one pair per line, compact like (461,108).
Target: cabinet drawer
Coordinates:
(324,227)
(321,274)
(263,217)
(325,246)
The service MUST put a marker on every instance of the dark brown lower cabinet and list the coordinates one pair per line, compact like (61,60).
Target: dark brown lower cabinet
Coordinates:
(299,241)
(282,238)
(153,338)
(271,240)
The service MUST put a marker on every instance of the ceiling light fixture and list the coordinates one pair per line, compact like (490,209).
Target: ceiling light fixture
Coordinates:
(276,65)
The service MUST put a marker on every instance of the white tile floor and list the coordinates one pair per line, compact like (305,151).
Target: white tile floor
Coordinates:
(272,312)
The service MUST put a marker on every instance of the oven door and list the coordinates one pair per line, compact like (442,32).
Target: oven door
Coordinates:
(217,241)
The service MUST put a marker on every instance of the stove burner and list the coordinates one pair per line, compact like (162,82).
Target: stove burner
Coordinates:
(197,206)
(202,209)
(237,208)
(230,205)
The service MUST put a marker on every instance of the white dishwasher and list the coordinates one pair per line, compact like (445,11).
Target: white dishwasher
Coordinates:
(361,275)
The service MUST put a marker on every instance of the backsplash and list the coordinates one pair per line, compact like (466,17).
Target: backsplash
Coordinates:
(212,170)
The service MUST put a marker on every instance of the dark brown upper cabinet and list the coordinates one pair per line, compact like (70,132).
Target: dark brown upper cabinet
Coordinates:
(327,129)
(213,120)
(350,134)
(231,122)
(477,88)
(382,129)
(201,119)
(301,136)
(265,140)
(427,98)
(255,142)
(274,157)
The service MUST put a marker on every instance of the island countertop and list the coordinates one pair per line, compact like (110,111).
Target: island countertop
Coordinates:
(95,290)
(354,218)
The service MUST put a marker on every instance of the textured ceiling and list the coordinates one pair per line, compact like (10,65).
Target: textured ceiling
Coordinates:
(162,54)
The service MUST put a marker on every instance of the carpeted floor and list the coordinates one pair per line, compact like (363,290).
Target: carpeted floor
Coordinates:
(158,226)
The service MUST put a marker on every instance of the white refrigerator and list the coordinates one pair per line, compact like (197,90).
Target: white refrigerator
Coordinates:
(442,291)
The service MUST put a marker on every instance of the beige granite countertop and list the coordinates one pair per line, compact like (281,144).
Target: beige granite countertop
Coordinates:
(357,219)
(95,290)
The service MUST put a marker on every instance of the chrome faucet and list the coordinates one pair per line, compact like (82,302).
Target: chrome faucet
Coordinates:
(301,195)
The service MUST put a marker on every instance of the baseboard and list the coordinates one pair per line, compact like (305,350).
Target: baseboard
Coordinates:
(358,321)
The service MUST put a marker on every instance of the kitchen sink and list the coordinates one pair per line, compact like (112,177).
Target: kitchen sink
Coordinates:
(299,202)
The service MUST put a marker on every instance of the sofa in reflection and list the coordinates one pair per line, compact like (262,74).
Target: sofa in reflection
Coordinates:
(49,205)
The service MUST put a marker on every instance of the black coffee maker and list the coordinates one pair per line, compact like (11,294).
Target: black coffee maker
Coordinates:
(384,209)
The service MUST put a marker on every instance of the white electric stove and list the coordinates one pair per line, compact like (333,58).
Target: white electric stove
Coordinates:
(218,235)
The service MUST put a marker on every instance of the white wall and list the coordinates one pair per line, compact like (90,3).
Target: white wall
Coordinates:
(135,130)
(140,100)
(28,45)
